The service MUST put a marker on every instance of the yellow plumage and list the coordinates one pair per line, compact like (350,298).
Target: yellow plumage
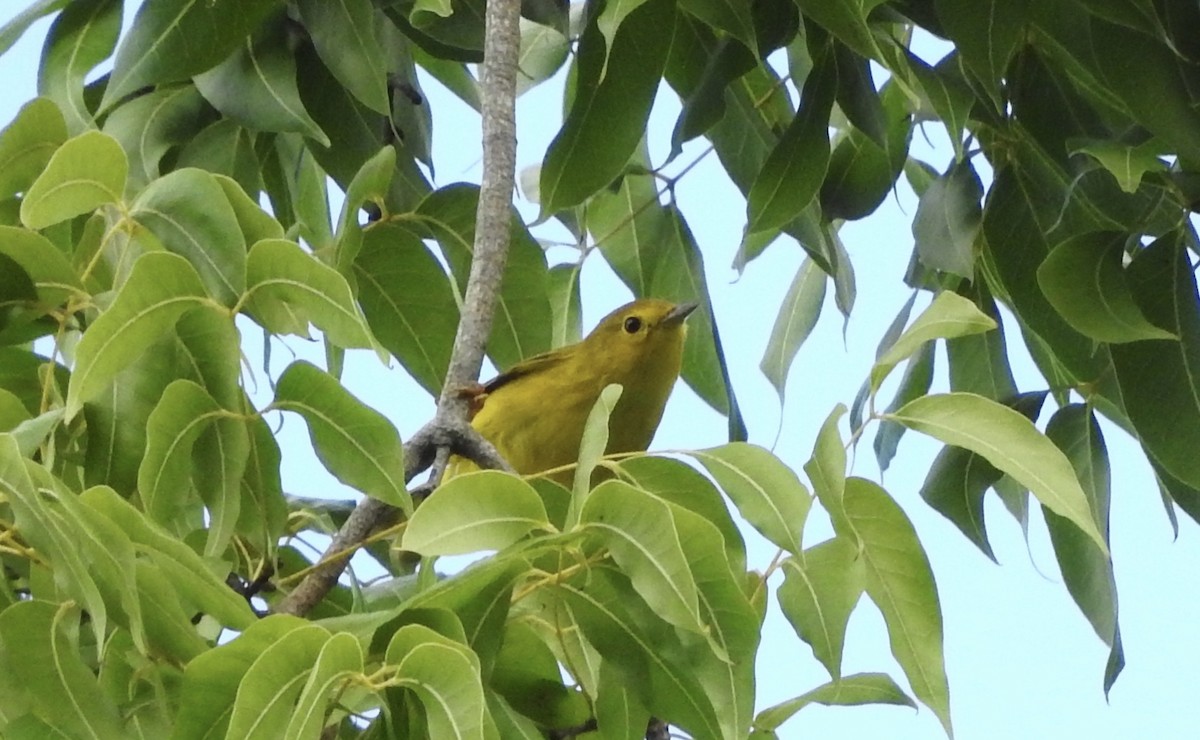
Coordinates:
(535,412)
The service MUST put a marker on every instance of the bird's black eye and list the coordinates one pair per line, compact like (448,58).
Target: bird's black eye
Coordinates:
(633,324)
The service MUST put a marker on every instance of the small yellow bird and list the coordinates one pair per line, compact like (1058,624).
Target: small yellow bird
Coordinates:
(536,411)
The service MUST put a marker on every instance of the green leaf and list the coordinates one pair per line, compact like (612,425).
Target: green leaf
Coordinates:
(445,677)
(626,633)
(1084,280)
(594,441)
(826,468)
(211,682)
(683,485)
(52,275)
(82,36)
(856,690)
(987,35)
(918,376)
(340,659)
(1159,379)
(226,149)
(797,316)
(1151,80)
(256,86)
(948,220)
(256,224)
(608,116)
(44,527)
(485,510)
(85,173)
(1087,571)
(193,578)
(278,270)
(819,591)
(150,125)
(950,315)
(641,534)
(343,32)
(619,713)
(28,143)
(900,582)
(63,690)
(979,362)
(273,682)
(766,492)
(793,173)
(172,41)
(958,479)
(847,21)
(629,225)
(354,442)
(160,289)
(189,212)
(543,52)
(521,328)
(681,278)
(12,31)
(725,16)
(1010,442)
(1127,163)
(949,94)
(408,302)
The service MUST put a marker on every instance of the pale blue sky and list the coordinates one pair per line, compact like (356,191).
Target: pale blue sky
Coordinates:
(1021,659)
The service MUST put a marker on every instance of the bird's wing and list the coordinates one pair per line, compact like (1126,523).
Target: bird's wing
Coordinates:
(528,366)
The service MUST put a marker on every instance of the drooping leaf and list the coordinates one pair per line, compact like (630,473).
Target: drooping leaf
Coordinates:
(354,442)
(608,116)
(256,85)
(190,214)
(28,143)
(900,582)
(1010,442)
(947,221)
(797,316)
(82,36)
(1084,280)
(792,175)
(343,32)
(172,41)
(445,676)
(819,591)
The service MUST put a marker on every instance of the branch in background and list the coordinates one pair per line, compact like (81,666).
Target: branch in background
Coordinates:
(498,97)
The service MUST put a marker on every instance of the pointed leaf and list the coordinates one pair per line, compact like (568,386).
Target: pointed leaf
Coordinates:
(344,33)
(764,490)
(273,681)
(948,220)
(1010,442)
(641,534)
(82,36)
(900,582)
(861,688)
(793,173)
(608,116)
(797,316)
(950,315)
(819,591)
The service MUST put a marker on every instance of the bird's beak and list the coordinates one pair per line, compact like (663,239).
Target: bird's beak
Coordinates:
(679,313)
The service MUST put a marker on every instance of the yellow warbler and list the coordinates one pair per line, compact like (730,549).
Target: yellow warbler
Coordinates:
(535,412)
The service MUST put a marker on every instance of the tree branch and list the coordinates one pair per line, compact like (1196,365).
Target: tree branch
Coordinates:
(492,222)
